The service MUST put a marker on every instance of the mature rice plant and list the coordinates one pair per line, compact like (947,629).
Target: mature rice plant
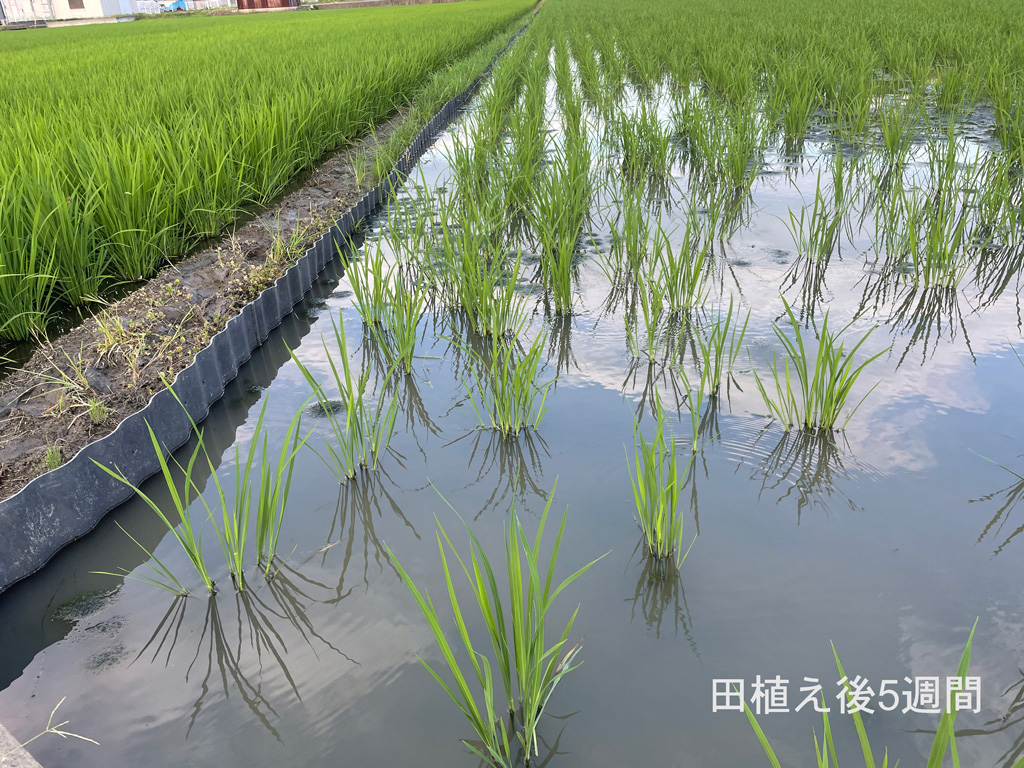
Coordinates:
(526,658)
(812,393)
(657,483)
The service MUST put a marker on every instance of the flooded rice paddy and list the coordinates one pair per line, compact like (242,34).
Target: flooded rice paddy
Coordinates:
(888,538)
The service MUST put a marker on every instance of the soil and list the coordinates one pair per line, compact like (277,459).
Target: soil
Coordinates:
(78,387)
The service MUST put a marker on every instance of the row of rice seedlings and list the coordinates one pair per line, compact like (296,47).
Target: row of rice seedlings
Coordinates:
(930,236)
(722,143)
(898,122)
(651,319)
(469,158)
(657,483)
(1000,201)
(558,213)
(503,91)
(826,754)
(793,98)
(526,664)
(630,232)
(369,278)
(808,393)
(506,392)
(469,271)
(585,57)
(396,333)
(523,155)
(645,144)
(682,272)
(363,433)
(569,101)
(258,499)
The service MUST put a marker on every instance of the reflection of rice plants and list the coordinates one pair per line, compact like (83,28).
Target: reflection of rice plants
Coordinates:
(1008,497)
(811,393)
(805,468)
(363,432)
(657,482)
(826,753)
(659,595)
(527,660)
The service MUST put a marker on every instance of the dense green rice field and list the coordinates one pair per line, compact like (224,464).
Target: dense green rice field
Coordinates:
(125,145)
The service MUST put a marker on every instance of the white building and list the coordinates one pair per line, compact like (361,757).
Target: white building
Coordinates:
(20,11)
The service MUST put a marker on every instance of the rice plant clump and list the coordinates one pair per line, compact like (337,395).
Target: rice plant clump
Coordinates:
(529,669)
(363,432)
(811,392)
(506,393)
(262,496)
(657,482)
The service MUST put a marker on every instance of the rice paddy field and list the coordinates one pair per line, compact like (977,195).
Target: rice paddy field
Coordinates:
(688,358)
(125,147)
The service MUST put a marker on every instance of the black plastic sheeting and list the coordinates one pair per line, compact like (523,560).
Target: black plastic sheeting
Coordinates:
(63,505)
